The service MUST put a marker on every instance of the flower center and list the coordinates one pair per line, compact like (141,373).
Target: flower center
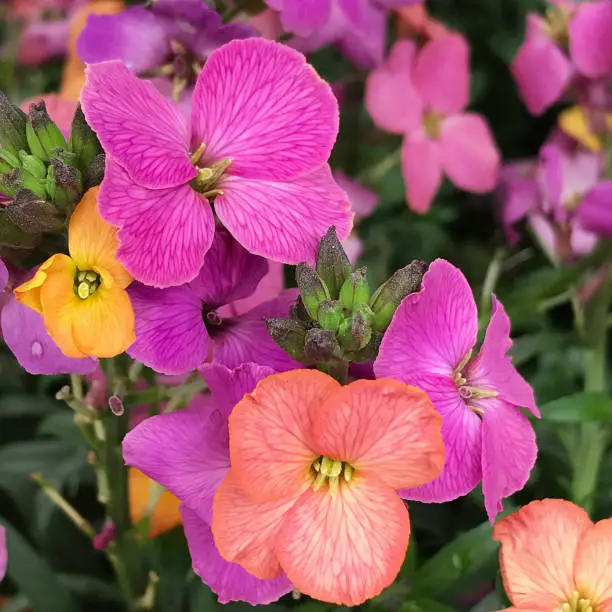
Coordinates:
(330,471)
(208,175)
(576,604)
(181,67)
(86,283)
(467,392)
(556,26)
(431,124)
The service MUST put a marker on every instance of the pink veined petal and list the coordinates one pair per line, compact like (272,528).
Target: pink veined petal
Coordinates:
(589,36)
(171,337)
(433,330)
(228,387)
(146,134)
(185,451)
(302,17)
(390,96)
(541,71)
(164,233)
(470,157)
(509,452)
(344,548)
(259,104)
(595,211)
(230,581)
(284,221)
(442,74)
(492,368)
(462,435)
(422,170)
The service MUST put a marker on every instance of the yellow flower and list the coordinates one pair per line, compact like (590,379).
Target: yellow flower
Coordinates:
(82,297)
(574,122)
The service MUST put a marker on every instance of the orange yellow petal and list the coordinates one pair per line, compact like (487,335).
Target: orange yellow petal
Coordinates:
(93,242)
(346,547)
(539,544)
(166,514)
(593,570)
(270,446)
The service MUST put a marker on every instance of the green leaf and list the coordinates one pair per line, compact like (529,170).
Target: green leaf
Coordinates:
(34,577)
(579,408)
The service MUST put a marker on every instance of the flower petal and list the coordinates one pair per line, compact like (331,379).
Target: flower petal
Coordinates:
(270,443)
(302,17)
(538,551)
(28,293)
(388,431)
(230,581)
(492,368)
(164,233)
(245,530)
(284,221)
(228,387)
(137,126)
(171,336)
(589,38)
(185,451)
(442,74)
(593,562)
(24,332)
(4,275)
(282,121)
(93,242)
(344,548)
(3,557)
(469,155)
(422,170)
(595,212)
(432,330)
(363,200)
(390,96)
(509,452)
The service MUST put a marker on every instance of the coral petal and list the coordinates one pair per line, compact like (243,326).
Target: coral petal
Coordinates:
(593,562)
(422,170)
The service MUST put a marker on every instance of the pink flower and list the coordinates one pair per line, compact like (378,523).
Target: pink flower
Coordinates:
(261,131)
(487,437)
(422,96)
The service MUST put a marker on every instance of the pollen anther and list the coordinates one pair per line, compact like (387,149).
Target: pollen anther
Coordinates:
(331,471)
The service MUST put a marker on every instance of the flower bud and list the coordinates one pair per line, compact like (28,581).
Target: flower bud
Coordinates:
(8,161)
(95,172)
(322,346)
(389,295)
(312,288)
(33,214)
(290,335)
(42,134)
(355,290)
(298,312)
(33,165)
(12,127)
(83,141)
(13,236)
(360,331)
(333,266)
(17,179)
(65,183)
(330,314)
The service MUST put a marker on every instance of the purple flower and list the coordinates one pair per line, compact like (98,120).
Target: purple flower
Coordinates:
(171,39)
(595,212)
(262,129)
(175,326)
(487,437)
(3,555)
(24,332)
(187,452)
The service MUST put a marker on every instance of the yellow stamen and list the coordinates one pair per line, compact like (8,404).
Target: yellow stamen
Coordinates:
(331,471)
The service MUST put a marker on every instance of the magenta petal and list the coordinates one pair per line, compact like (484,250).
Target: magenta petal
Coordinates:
(4,275)
(363,200)
(259,104)
(509,452)
(186,451)
(164,233)
(442,74)
(462,433)
(390,96)
(230,581)
(469,155)
(3,556)
(246,338)
(492,368)
(595,211)
(284,221)
(228,386)
(422,170)
(433,330)
(590,32)
(541,71)
(24,333)
(302,17)
(146,133)
(171,336)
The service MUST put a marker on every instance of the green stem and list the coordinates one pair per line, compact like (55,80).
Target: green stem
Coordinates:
(336,369)
(373,175)
(593,437)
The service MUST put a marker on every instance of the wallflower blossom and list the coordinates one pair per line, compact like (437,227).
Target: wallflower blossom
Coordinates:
(422,96)
(82,297)
(312,486)
(179,327)
(262,128)
(487,437)
(187,451)
(553,557)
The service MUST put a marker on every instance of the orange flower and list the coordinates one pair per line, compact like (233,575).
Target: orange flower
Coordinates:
(554,558)
(82,298)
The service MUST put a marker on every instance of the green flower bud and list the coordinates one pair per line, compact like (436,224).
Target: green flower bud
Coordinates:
(370,351)
(13,236)
(312,289)
(322,346)
(8,160)
(68,185)
(290,336)
(33,214)
(83,141)
(355,290)
(12,126)
(298,312)
(330,314)
(17,179)
(42,134)
(95,172)
(33,165)
(333,265)
(389,295)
